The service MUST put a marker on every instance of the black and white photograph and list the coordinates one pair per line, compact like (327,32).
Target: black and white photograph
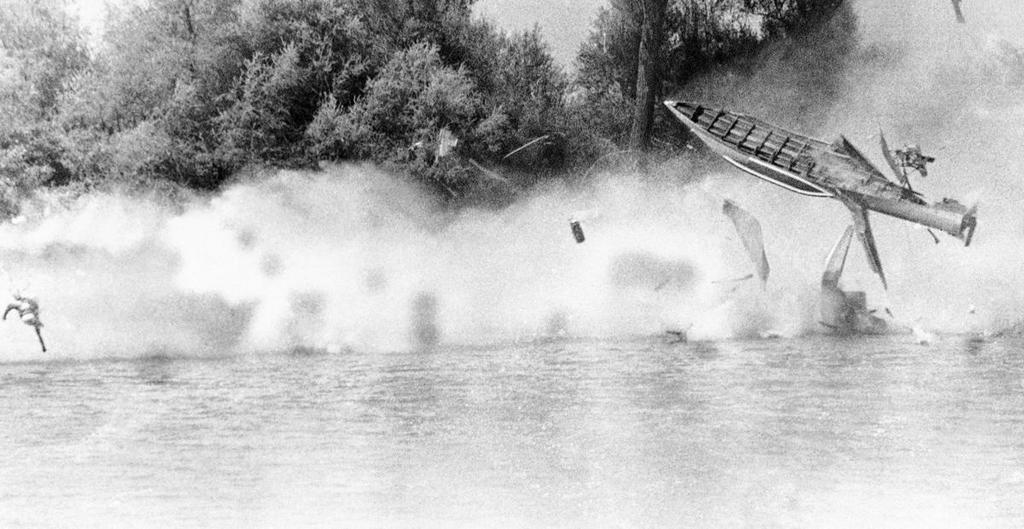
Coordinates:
(512,264)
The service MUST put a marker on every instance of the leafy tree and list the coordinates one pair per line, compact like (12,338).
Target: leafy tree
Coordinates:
(227,83)
(324,132)
(29,158)
(40,52)
(45,44)
(608,56)
(791,17)
(697,35)
(148,50)
(526,93)
(625,49)
(402,114)
(331,38)
(193,90)
(266,116)
(410,100)
(700,34)
(403,23)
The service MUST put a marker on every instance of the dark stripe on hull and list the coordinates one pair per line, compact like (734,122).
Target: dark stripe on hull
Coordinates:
(779,148)
(770,166)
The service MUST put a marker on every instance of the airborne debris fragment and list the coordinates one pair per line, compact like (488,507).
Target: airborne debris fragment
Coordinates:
(446,142)
(488,173)
(733,280)
(576,222)
(958,12)
(547,149)
(749,230)
(524,147)
(577,230)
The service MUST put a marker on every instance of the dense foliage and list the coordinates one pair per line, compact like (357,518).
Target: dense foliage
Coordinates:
(194,91)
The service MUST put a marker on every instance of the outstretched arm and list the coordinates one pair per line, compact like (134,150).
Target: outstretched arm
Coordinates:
(12,306)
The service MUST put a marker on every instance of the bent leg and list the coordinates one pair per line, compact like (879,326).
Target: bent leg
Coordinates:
(40,335)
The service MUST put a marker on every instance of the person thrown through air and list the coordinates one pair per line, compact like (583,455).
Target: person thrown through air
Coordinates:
(28,312)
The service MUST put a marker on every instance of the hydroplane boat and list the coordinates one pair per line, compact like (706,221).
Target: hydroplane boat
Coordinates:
(816,168)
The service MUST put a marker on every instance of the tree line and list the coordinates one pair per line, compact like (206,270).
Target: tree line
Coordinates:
(191,92)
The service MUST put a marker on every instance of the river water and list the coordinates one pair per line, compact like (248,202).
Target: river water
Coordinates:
(810,432)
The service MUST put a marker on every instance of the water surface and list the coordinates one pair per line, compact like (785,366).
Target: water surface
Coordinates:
(815,432)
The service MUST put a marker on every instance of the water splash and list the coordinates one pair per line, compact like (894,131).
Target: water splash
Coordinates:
(923,78)
(351,257)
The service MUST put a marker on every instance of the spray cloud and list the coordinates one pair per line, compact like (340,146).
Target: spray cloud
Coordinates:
(353,257)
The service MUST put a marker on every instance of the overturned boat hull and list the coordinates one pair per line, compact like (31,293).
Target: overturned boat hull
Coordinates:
(812,167)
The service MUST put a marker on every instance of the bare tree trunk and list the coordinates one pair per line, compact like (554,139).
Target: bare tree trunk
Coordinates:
(648,84)
(186,15)
(631,12)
